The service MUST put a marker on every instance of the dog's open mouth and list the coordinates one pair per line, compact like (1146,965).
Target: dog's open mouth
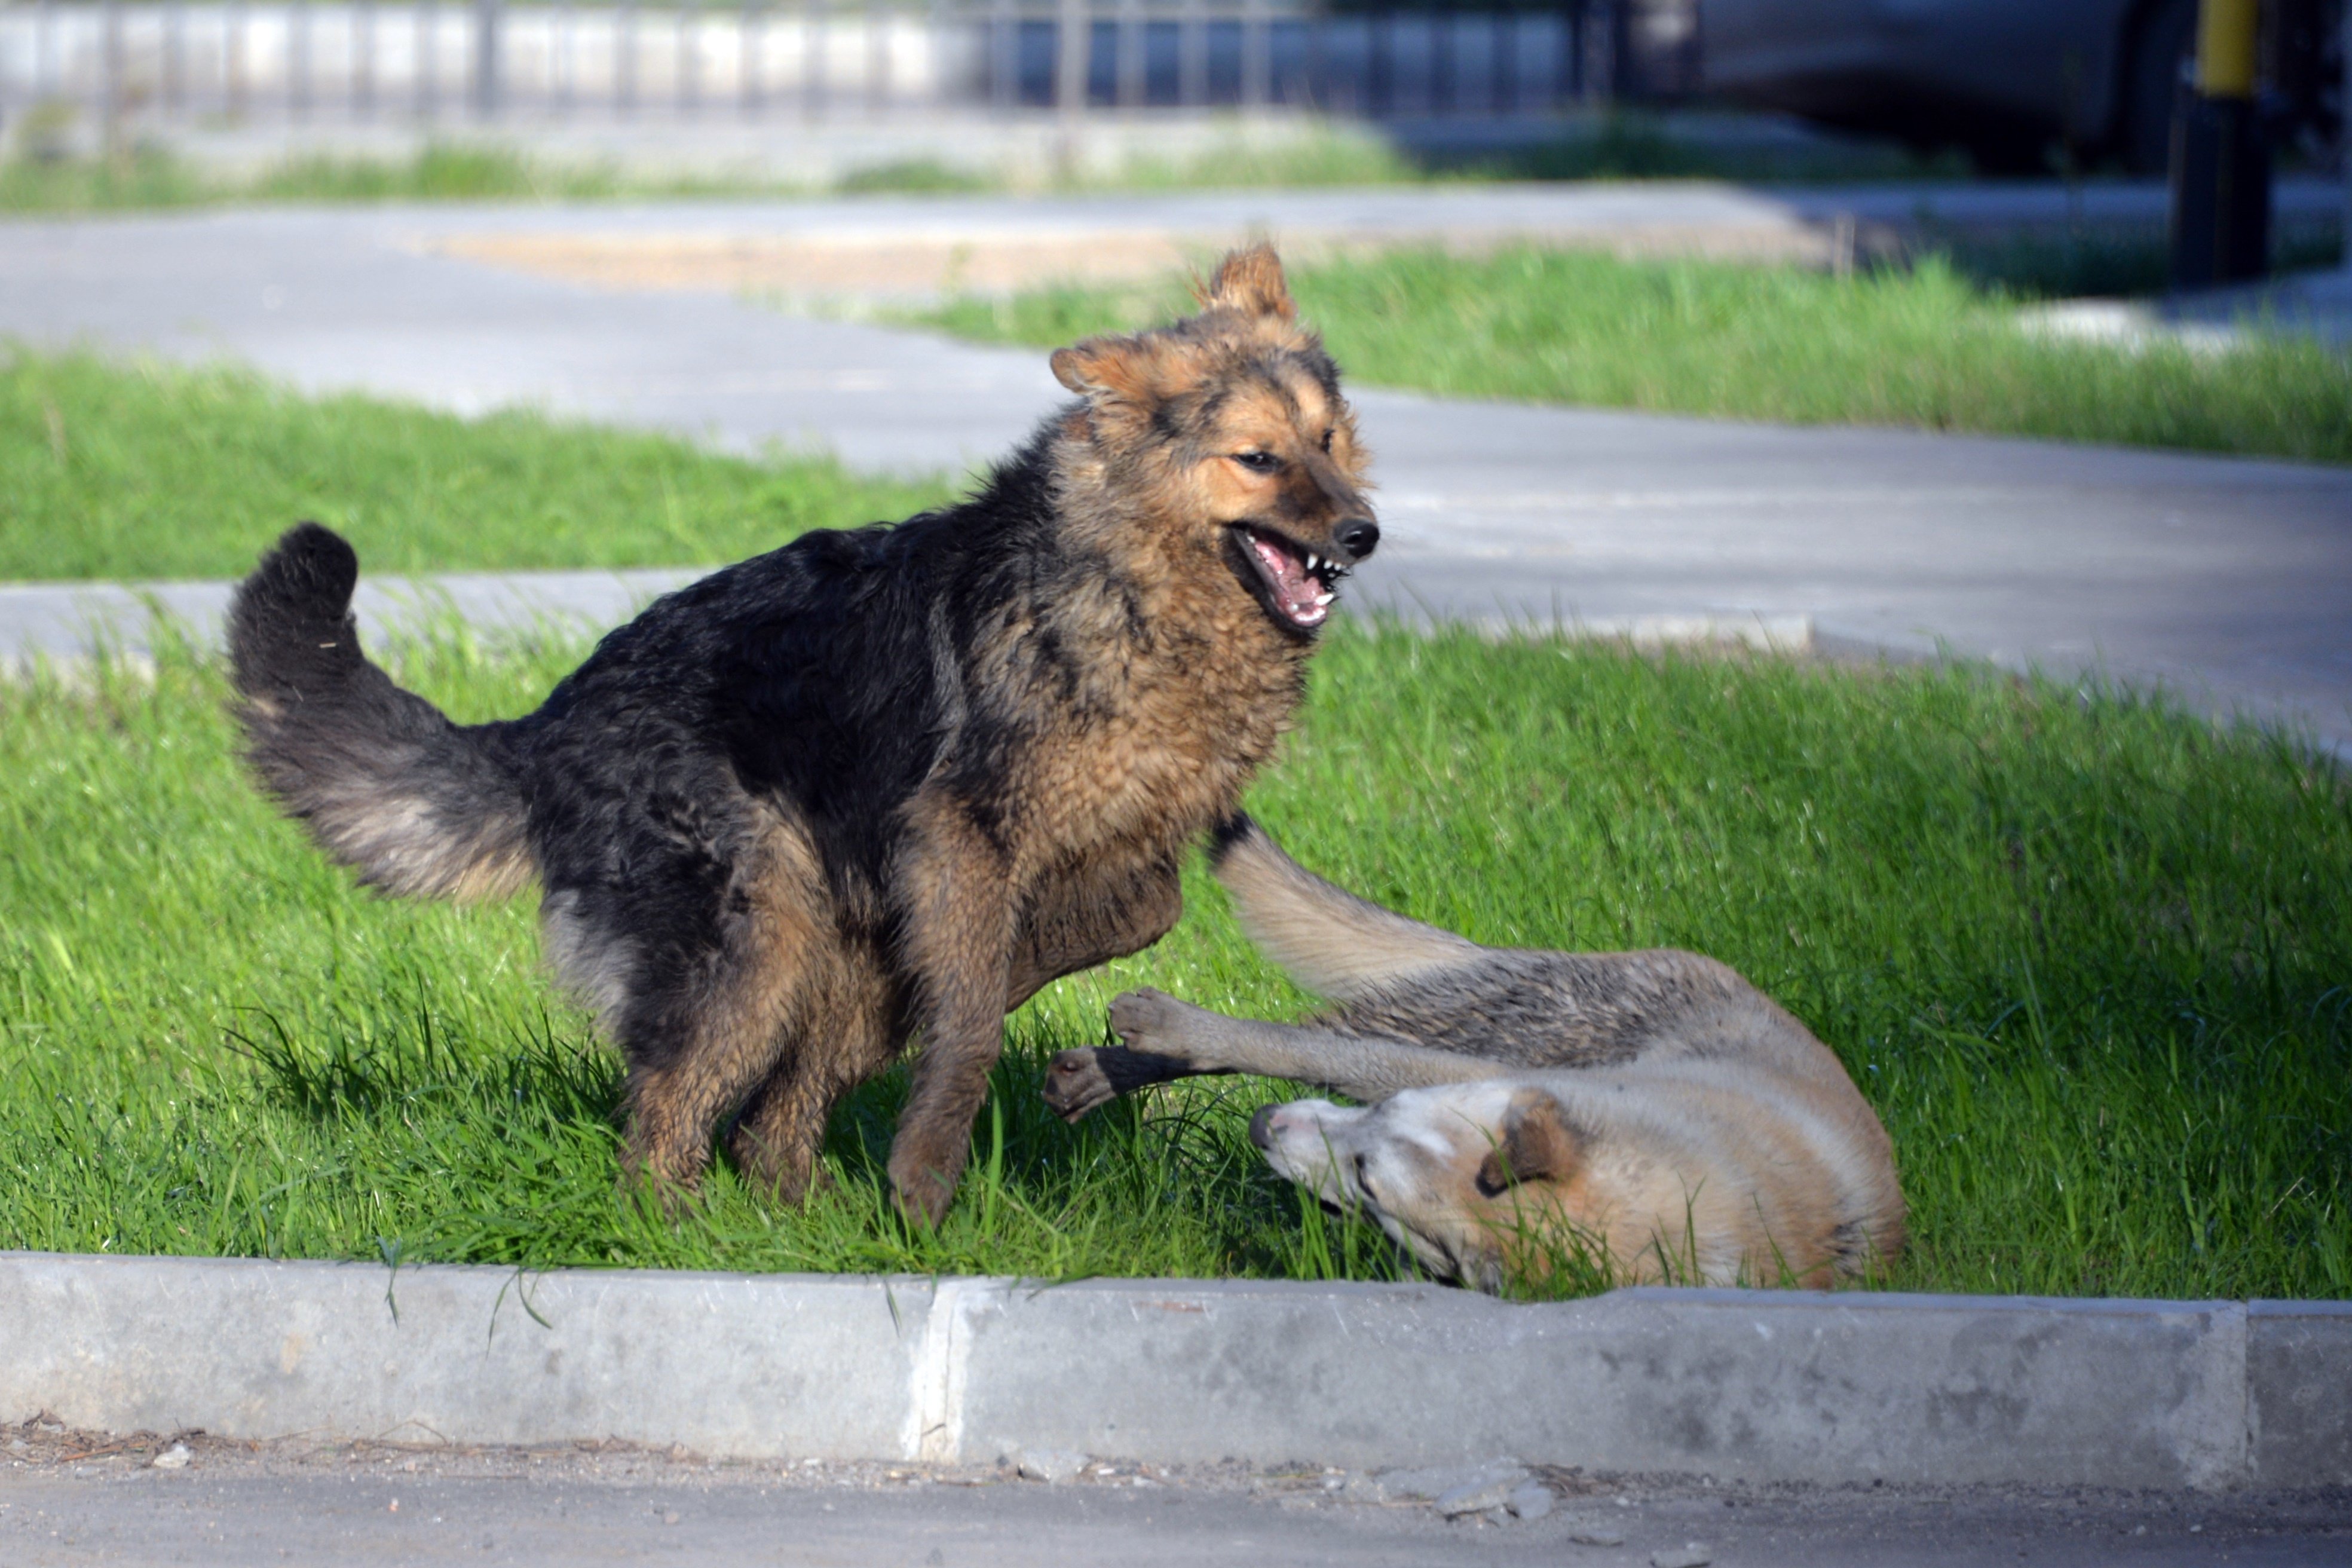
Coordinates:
(1295,584)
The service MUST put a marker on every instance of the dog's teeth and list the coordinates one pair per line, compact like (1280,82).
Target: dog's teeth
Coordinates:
(1314,561)
(1323,599)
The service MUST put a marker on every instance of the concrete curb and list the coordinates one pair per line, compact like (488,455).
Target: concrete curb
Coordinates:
(60,625)
(63,622)
(1743,1385)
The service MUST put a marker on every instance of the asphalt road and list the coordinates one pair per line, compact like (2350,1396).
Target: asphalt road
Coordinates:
(236,1507)
(2228,582)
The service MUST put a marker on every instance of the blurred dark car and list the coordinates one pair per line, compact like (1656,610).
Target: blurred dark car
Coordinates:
(2008,80)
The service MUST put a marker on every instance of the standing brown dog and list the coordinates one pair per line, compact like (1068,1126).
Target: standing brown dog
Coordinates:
(877,784)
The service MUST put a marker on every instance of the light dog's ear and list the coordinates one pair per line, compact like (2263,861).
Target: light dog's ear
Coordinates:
(1113,368)
(1250,281)
(1535,1143)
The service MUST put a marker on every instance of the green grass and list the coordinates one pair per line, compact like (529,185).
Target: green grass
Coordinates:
(44,177)
(2088,957)
(1925,348)
(147,472)
(149,178)
(1629,145)
(2092,960)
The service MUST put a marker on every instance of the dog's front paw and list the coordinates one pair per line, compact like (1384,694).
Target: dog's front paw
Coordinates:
(1148,1020)
(1075,1083)
(922,1181)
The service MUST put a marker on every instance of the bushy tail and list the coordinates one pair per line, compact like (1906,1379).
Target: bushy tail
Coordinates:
(386,784)
(1331,941)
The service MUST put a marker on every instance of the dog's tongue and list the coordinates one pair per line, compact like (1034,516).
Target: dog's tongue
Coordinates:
(1297,593)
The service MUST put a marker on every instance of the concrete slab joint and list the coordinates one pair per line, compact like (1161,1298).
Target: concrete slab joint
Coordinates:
(1743,1385)
(935,1401)
(2299,1393)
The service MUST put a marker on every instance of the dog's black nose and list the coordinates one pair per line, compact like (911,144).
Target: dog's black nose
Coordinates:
(1262,1127)
(1358,536)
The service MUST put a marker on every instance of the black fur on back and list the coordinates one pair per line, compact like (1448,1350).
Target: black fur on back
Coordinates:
(823,678)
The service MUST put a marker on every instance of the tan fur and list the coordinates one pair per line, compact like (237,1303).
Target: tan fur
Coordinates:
(1179,686)
(1331,941)
(784,1122)
(409,850)
(744,1022)
(1649,1114)
(1716,1174)
(1249,280)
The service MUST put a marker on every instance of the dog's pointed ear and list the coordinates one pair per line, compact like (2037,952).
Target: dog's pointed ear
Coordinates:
(1112,367)
(1250,281)
(1534,1144)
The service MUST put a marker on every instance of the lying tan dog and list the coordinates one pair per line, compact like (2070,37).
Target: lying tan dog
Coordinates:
(1649,1116)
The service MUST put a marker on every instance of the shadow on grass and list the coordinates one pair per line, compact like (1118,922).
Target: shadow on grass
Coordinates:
(534,1120)
(2106,262)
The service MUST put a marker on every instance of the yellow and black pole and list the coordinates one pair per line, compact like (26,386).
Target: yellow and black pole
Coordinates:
(2221,159)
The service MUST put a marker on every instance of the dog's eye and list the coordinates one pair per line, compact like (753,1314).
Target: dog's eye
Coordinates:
(1258,462)
(1363,1176)
(1327,439)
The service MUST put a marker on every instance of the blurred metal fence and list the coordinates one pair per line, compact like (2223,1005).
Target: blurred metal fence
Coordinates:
(193,60)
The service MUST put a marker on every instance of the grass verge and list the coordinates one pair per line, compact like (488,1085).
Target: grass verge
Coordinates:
(2087,957)
(442,172)
(148,472)
(1926,347)
(152,178)
(46,176)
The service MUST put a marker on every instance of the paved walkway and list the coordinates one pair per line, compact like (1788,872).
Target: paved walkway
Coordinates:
(376,1504)
(2229,581)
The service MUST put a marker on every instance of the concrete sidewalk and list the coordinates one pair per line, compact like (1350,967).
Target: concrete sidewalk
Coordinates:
(2316,305)
(2228,581)
(1752,1387)
(313,1502)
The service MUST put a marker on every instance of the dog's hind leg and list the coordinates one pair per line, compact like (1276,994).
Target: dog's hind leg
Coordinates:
(847,1036)
(1167,1039)
(707,1033)
(694,1053)
(1331,941)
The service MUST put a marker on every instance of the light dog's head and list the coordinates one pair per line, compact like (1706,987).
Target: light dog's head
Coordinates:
(1465,1177)
(1224,442)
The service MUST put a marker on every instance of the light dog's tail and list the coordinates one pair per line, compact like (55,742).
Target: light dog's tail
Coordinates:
(387,785)
(1331,941)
